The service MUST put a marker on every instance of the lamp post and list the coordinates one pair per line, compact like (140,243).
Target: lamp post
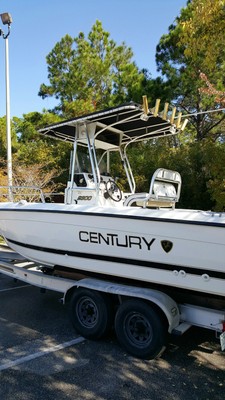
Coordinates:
(7,20)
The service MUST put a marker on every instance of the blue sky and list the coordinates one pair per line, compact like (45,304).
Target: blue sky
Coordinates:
(39,24)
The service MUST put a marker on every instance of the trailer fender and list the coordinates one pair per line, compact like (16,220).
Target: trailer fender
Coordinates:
(165,303)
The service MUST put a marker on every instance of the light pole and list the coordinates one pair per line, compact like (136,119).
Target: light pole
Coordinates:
(7,20)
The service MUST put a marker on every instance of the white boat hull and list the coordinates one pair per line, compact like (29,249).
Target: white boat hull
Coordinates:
(178,248)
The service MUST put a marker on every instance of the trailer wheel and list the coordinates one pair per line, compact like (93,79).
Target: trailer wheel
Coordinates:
(90,313)
(140,329)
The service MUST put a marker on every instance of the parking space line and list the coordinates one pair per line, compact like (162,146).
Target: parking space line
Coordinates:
(41,353)
(14,288)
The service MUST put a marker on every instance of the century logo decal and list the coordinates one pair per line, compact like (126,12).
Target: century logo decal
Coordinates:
(113,239)
(128,241)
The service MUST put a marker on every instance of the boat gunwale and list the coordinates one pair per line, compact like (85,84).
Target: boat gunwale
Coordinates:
(119,216)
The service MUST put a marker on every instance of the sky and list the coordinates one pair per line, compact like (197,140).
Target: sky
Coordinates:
(39,24)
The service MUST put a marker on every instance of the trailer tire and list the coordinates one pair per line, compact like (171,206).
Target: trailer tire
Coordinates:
(140,329)
(91,314)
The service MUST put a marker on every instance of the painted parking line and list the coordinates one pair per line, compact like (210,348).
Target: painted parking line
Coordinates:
(41,353)
(14,288)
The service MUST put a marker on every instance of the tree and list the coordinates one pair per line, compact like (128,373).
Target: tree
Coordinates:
(36,175)
(181,55)
(37,161)
(3,145)
(35,150)
(90,74)
(203,34)
(191,60)
(28,180)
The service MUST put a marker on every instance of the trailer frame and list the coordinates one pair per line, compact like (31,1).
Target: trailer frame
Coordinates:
(178,317)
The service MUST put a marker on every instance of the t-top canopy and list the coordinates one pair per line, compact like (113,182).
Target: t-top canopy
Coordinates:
(114,126)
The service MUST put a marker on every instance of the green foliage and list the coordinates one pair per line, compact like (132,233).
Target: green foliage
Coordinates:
(214,167)
(181,55)
(36,149)
(203,34)
(90,74)
(3,145)
(201,165)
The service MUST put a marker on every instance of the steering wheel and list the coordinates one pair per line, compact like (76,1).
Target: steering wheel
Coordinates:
(113,191)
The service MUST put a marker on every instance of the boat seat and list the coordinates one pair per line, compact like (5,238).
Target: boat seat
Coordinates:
(164,191)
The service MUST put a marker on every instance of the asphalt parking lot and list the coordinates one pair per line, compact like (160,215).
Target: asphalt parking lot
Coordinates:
(41,357)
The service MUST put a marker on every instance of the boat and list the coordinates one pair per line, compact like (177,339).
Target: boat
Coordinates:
(109,233)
